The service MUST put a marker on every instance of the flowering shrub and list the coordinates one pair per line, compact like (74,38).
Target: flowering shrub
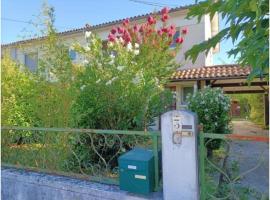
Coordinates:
(122,84)
(212,108)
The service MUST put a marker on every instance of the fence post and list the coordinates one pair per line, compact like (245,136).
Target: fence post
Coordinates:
(155,151)
(202,166)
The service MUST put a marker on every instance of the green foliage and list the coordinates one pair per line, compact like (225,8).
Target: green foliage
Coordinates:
(44,98)
(122,88)
(119,89)
(257,108)
(252,106)
(29,101)
(212,108)
(18,86)
(55,63)
(248,23)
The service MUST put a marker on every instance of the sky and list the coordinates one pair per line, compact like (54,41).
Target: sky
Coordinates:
(72,14)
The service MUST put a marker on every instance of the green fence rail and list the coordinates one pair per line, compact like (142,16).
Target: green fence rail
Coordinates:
(219,174)
(83,153)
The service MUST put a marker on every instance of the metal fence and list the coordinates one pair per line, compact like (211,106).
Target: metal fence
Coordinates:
(237,169)
(81,153)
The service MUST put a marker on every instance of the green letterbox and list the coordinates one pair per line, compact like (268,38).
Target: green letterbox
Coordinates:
(137,171)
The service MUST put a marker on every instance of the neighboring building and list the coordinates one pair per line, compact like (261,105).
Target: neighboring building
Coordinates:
(189,78)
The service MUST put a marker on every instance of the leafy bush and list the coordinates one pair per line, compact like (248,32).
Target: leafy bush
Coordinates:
(29,101)
(122,85)
(18,87)
(212,108)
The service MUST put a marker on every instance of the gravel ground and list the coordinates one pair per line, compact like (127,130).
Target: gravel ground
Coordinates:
(249,154)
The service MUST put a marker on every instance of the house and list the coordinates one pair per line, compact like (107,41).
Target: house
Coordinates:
(28,51)
(189,78)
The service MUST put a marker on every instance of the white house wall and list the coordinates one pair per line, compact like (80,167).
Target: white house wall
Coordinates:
(197,32)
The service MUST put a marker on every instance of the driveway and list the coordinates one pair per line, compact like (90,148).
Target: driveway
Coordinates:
(251,154)
(244,127)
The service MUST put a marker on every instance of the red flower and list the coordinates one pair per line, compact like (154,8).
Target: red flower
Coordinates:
(113,31)
(126,36)
(120,30)
(111,37)
(149,31)
(171,31)
(160,32)
(165,11)
(151,20)
(135,28)
(127,39)
(165,30)
(126,22)
(184,30)
(172,27)
(164,17)
(142,28)
(179,40)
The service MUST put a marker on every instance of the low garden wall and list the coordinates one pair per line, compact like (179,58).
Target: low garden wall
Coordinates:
(25,185)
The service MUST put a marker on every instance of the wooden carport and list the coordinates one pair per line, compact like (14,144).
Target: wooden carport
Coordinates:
(231,78)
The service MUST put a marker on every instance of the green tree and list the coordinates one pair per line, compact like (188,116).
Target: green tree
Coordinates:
(58,73)
(248,27)
(55,62)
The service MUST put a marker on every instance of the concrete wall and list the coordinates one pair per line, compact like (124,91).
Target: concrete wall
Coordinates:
(25,185)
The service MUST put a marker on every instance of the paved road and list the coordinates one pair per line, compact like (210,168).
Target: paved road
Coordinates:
(249,154)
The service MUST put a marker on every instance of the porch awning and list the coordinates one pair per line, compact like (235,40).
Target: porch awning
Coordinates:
(214,72)
(231,78)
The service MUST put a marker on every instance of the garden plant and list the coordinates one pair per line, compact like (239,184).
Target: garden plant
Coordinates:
(212,108)
(122,86)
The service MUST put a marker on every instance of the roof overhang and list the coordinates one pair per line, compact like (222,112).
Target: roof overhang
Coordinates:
(231,78)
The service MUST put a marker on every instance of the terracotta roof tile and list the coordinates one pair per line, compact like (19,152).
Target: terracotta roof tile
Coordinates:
(211,72)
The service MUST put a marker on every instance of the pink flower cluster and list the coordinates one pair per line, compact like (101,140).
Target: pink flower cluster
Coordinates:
(165,14)
(141,33)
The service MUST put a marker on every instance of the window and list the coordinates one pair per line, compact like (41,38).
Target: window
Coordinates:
(176,35)
(72,54)
(31,61)
(185,92)
(13,53)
